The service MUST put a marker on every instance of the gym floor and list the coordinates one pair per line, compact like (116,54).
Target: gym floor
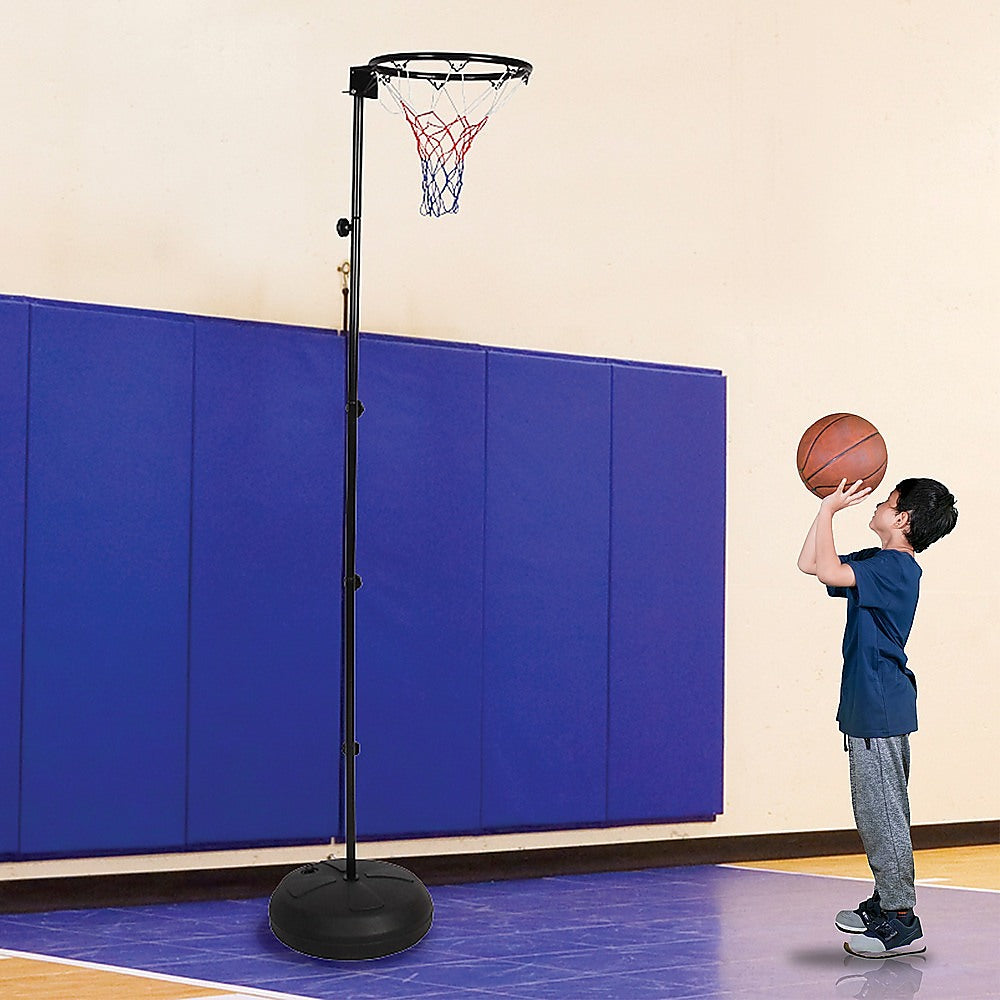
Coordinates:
(740,931)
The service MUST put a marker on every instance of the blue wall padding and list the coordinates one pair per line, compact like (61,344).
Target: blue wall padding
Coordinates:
(546,591)
(105,661)
(13,430)
(419,612)
(540,630)
(667,593)
(265,587)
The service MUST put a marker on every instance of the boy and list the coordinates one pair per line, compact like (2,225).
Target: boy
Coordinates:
(878,694)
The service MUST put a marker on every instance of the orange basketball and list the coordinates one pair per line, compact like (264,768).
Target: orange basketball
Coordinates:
(840,446)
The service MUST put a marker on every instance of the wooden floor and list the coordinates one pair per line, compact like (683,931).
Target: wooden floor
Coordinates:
(955,867)
(124,938)
(52,979)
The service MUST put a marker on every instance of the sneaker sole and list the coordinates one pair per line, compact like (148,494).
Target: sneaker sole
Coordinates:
(913,949)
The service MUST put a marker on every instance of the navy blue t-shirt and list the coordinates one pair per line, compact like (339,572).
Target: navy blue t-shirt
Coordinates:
(878,694)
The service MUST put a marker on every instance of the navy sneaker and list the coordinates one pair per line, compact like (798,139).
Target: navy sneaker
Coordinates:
(896,933)
(857,921)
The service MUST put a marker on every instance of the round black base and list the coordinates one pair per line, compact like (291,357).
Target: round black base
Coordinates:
(317,911)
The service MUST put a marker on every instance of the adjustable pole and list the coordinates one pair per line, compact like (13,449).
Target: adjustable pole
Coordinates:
(350,910)
(363,85)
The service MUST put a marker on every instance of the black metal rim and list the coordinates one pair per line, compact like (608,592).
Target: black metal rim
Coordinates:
(387,65)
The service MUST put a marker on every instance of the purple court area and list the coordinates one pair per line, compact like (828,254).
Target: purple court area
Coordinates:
(667,933)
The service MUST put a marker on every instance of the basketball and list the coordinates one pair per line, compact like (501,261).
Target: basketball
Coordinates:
(841,446)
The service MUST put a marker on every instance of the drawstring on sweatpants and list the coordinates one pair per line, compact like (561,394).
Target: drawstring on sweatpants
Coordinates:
(868,743)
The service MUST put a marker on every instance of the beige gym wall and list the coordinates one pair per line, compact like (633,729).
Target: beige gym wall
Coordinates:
(802,194)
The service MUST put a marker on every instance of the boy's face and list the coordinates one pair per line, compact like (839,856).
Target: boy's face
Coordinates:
(886,518)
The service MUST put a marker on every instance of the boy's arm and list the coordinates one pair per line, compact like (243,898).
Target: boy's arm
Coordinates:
(807,557)
(829,569)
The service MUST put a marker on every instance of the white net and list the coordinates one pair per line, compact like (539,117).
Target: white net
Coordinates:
(446,101)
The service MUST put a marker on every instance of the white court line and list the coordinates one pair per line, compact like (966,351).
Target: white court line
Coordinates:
(228,991)
(926,883)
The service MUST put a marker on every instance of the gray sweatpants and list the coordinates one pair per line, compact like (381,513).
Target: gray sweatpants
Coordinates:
(880,771)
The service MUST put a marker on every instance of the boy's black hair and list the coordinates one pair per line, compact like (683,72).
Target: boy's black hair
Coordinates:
(931,508)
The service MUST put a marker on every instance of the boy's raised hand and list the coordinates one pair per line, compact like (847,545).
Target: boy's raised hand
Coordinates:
(842,498)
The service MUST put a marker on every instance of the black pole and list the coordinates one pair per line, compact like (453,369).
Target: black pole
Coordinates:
(333,909)
(354,410)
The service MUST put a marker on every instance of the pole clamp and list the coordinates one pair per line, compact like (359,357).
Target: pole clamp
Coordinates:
(363,82)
